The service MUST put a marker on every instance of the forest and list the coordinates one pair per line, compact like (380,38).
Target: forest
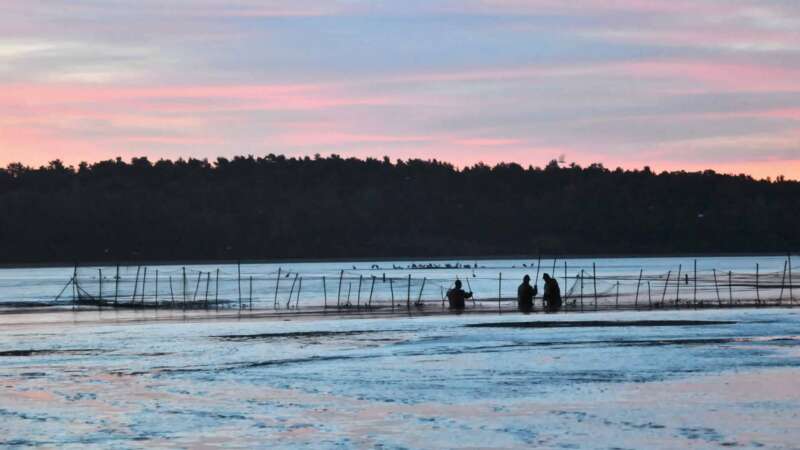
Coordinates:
(277,207)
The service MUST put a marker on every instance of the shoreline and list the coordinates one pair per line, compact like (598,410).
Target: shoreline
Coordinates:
(187,262)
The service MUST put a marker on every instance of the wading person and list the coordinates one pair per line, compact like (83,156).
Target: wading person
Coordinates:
(525,295)
(456,297)
(552,294)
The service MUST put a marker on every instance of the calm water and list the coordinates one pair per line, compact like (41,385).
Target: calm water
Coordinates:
(425,382)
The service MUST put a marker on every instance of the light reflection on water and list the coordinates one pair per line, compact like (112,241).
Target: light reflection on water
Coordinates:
(404,383)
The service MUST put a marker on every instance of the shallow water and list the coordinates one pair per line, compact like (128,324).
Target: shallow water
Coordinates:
(423,382)
(317,283)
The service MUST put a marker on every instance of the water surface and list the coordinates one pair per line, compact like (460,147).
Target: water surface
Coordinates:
(414,382)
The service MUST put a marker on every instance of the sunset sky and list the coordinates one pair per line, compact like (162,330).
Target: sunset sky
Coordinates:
(674,84)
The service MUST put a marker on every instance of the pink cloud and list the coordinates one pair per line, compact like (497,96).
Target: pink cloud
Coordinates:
(487,142)
(301,96)
(333,138)
(782,113)
(587,7)
(83,101)
(719,76)
(712,75)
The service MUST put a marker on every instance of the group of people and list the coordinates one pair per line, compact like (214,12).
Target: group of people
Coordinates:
(551,298)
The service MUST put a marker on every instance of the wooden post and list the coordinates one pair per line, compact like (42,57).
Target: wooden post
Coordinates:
(716,287)
(566,283)
(358,295)
(297,300)
(250,293)
(156,288)
(349,288)
(649,296)
(371,290)
(116,286)
(469,286)
(783,281)
(144,283)
(678,286)
(408,293)
(183,270)
(100,287)
(581,291)
(791,291)
(208,284)
(239,281)
(638,283)
(69,283)
(291,291)
(197,287)
(594,282)
(324,293)
(391,289)
(339,292)
(74,286)
(135,285)
(216,291)
(419,297)
(616,300)
(500,291)
(171,292)
(730,286)
(441,292)
(277,283)
(694,294)
(758,294)
(664,294)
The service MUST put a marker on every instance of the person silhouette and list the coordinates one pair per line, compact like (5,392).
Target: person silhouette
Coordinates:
(456,297)
(552,294)
(525,295)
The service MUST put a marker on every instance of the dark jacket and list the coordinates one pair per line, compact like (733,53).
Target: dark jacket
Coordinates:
(525,294)
(456,298)
(552,295)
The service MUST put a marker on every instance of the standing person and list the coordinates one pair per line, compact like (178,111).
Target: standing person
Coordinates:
(456,297)
(552,294)
(525,295)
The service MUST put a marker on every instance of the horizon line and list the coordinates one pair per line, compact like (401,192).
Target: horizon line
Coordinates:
(560,162)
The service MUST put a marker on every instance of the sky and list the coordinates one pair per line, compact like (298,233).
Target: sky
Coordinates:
(673,84)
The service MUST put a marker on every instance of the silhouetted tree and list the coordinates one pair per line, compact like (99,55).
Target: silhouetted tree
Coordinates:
(278,207)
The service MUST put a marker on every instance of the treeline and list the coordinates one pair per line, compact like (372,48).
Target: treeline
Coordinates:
(278,207)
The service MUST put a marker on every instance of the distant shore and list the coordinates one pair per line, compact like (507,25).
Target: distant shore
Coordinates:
(189,262)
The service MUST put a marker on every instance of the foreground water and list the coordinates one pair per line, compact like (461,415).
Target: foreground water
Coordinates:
(89,380)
